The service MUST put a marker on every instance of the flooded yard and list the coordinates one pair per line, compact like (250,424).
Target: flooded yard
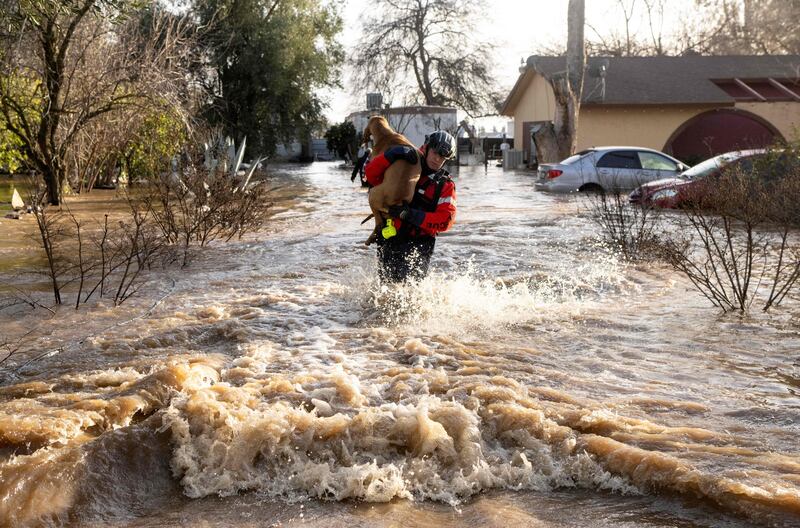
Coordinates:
(531,379)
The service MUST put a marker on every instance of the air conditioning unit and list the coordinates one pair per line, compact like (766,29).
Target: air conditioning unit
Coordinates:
(374,101)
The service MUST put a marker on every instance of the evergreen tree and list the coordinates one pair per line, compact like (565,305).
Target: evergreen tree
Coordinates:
(268,59)
(342,139)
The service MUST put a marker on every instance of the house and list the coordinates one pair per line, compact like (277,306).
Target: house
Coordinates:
(690,106)
(414,122)
(491,143)
(315,149)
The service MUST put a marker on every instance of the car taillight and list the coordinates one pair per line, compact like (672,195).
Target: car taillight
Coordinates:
(554,173)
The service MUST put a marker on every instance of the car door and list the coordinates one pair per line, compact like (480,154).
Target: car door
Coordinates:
(656,167)
(618,169)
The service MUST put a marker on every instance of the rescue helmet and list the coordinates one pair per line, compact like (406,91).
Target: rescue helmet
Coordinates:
(442,143)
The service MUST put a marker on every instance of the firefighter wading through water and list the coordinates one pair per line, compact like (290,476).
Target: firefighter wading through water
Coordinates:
(406,244)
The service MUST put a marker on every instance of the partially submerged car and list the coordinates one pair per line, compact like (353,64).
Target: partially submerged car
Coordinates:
(695,182)
(601,169)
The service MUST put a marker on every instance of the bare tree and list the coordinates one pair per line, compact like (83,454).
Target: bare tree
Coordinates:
(655,24)
(714,27)
(50,235)
(558,140)
(68,63)
(632,41)
(97,148)
(748,27)
(426,48)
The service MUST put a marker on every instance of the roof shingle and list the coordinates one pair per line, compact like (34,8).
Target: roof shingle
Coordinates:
(669,80)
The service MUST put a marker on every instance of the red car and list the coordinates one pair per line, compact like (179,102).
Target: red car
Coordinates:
(676,192)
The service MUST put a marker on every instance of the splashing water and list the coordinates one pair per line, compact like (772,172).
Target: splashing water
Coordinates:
(467,301)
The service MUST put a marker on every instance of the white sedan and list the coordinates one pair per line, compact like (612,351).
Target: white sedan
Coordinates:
(607,169)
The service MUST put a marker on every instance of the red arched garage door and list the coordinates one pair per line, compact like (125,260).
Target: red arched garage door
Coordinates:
(718,131)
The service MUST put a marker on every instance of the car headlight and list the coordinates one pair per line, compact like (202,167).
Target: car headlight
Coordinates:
(664,194)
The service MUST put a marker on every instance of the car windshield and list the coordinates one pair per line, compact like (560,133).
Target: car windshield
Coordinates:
(575,157)
(701,170)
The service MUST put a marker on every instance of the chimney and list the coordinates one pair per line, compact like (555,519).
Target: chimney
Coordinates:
(374,101)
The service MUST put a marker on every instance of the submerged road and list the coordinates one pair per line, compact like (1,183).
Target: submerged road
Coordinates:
(531,380)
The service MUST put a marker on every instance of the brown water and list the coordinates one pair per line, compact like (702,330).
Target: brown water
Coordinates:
(530,380)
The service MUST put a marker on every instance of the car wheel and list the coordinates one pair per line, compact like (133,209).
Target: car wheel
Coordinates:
(592,188)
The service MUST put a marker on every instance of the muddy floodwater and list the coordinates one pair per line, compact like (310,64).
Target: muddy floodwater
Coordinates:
(532,380)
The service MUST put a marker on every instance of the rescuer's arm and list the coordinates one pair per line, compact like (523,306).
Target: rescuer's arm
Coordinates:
(437,221)
(378,165)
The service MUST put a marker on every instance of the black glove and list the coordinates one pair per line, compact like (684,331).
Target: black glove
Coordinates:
(401,152)
(399,211)
(407,214)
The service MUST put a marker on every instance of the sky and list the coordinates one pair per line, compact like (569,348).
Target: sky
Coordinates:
(515,27)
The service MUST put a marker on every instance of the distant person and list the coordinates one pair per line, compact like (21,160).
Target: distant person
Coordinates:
(504,147)
(359,163)
(406,244)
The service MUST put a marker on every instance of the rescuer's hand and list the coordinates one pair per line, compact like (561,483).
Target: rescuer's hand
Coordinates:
(407,214)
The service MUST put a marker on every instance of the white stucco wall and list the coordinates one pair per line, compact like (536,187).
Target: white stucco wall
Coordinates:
(414,123)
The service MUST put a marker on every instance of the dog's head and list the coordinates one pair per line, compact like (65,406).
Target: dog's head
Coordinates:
(377,128)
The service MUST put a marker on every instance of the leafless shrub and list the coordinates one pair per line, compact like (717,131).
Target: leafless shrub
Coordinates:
(204,203)
(17,296)
(785,215)
(88,257)
(51,234)
(137,245)
(169,214)
(629,230)
(739,239)
(9,347)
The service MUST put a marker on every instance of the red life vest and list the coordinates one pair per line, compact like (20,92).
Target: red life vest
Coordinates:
(436,195)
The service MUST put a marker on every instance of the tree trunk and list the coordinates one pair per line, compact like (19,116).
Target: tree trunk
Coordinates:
(474,140)
(546,144)
(53,183)
(559,141)
(576,55)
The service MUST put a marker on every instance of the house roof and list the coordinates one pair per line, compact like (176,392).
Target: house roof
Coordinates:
(660,80)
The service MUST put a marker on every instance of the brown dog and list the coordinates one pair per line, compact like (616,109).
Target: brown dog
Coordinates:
(399,179)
